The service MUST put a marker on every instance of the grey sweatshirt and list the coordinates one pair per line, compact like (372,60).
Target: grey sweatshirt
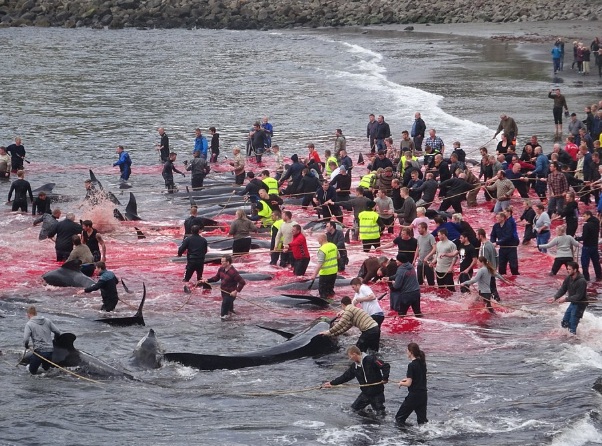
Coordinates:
(564,245)
(40,330)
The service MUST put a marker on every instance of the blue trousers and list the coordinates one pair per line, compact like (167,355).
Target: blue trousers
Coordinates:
(571,318)
(590,253)
(35,362)
(542,239)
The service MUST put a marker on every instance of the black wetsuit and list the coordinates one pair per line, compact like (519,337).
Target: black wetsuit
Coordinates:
(92,243)
(196,248)
(64,231)
(107,284)
(165,150)
(214,148)
(21,188)
(417,394)
(191,221)
(17,153)
(40,207)
(168,170)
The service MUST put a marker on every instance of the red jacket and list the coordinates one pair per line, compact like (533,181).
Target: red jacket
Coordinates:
(298,247)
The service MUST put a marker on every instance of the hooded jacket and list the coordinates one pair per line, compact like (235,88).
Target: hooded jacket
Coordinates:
(404,281)
(371,371)
(40,330)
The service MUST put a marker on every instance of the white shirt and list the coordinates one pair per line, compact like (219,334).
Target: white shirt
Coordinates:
(370,306)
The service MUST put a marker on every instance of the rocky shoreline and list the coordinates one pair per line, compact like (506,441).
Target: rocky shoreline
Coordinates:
(264,14)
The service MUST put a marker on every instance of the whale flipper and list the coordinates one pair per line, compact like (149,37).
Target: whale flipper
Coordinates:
(131,210)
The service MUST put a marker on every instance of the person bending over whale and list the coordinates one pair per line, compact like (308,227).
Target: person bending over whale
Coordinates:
(82,253)
(39,330)
(352,316)
(107,284)
(372,373)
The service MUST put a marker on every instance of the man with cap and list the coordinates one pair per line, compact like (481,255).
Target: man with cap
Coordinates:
(369,228)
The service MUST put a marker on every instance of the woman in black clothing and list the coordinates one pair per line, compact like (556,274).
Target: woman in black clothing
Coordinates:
(415,381)
(502,146)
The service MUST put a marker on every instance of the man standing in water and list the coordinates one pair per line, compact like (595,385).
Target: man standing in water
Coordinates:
(575,287)
(371,132)
(21,188)
(39,330)
(231,285)
(195,247)
(372,374)
(168,170)
(327,266)
(17,155)
(417,132)
(163,146)
(125,164)
(559,104)
(94,241)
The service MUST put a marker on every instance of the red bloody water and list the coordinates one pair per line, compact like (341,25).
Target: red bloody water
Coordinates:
(150,260)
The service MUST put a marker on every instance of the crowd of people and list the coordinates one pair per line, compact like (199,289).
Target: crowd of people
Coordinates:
(393,195)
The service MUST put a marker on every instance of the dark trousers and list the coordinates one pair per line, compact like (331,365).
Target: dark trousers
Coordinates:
(590,253)
(414,402)
(214,155)
(197,181)
(62,256)
(493,288)
(35,362)
(171,186)
(19,205)
(413,302)
(109,304)
(192,267)
(241,245)
(227,304)
(487,299)
(571,226)
(386,223)
(454,202)
(274,254)
(508,256)
(425,271)
(369,339)
(300,266)
(367,244)
(446,281)
(558,262)
(239,178)
(326,285)
(529,233)
(377,402)
(379,318)
(463,278)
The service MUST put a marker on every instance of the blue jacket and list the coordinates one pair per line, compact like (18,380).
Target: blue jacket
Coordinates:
(504,235)
(556,53)
(542,166)
(123,161)
(201,145)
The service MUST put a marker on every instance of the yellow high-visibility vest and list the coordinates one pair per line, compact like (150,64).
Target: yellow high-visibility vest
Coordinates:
(265,213)
(368,225)
(272,185)
(330,265)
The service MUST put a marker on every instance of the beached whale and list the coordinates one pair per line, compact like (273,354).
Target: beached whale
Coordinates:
(304,284)
(225,243)
(136,319)
(319,225)
(69,274)
(66,355)
(309,342)
(148,353)
(299,300)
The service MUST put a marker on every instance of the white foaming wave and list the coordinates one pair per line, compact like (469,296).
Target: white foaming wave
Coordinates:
(463,425)
(345,436)
(580,433)
(402,101)
(309,424)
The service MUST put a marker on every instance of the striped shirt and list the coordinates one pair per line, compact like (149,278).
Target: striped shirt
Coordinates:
(353,317)
(230,278)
